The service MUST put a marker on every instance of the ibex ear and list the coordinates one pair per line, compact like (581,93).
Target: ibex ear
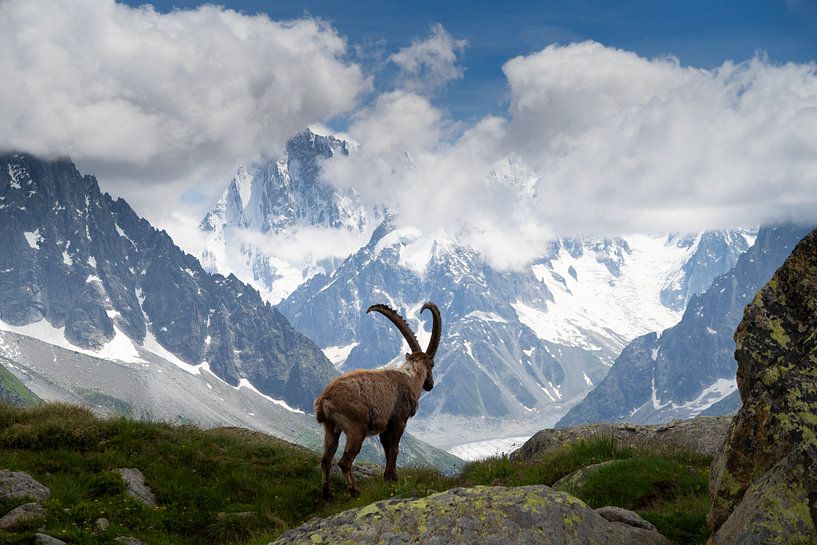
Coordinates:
(407,355)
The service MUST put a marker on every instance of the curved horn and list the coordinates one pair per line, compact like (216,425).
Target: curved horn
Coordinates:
(401,324)
(436,328)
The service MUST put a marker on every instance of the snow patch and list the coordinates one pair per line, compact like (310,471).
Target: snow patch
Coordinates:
(479,450)
(244,383)
(33,238)
(338,354)
(486,316)
(123,234)
(151,344)
(119,348)
(66,258)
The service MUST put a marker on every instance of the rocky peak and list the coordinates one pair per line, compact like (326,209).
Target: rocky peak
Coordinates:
(279,192)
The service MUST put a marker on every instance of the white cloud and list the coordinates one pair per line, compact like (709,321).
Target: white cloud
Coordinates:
(427,65)
(133,94)
(597,141)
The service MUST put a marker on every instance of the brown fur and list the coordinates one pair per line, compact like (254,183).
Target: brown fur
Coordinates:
(373,402)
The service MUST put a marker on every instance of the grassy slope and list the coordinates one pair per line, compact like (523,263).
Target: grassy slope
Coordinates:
(238,486)
(13,391)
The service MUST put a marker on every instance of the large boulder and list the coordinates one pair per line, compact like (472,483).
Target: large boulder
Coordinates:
(704,434)
(488,515)
(20,485)
(764,480)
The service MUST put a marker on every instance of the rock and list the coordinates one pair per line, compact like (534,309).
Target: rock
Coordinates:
(101,525)
(617,514)
(137,489)
(485,515)
(22,514)
(764,480)
(128,540)
(20,485)
(704,434)
(45,539)
(574,481)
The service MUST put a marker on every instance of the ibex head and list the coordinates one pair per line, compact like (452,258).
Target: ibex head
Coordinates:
(417,354)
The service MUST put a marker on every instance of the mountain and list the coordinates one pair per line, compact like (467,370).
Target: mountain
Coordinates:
(688,368)
(519,347)
(82,270)
(278,196)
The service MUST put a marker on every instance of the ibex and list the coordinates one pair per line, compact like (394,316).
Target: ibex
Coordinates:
(376,402)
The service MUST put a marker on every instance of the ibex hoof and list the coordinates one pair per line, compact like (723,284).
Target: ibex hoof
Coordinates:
(327,494)
(354,492)
(389,476)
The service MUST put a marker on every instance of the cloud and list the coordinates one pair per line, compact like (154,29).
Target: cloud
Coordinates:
(427,65)
(597,141)
(133,94)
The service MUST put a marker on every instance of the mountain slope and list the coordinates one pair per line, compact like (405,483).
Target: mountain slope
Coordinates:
(519,348)
(691,365)
(77,266)
(158,390)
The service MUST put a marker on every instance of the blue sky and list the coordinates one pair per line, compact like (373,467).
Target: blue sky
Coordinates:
(702,33)
(609,117)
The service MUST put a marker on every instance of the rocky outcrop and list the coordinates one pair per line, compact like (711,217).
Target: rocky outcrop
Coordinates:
(137,489)
(764,481)
(21,485)
(488,515)
(45,539)
(703,434)
(21,515)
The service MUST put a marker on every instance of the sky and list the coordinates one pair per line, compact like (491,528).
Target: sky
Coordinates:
(503,124)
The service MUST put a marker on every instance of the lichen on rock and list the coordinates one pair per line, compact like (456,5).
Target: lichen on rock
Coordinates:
(492,515)
(764,480)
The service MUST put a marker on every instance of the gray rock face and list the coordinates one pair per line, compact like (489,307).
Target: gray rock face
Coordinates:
(85,262)
(704,434)
(716,253)
(128,540)
(22,514)
(573,482)
(137,489)
(45,539)
(485,515)
(21,485)
(659,378)
(617,514)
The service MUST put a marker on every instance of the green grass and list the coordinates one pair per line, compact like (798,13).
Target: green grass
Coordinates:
(236,486)
(13,391)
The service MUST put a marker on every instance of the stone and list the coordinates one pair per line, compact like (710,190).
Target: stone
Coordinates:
(101,525)
(22,514)
(16,485)
(763,482)
(573,482)
(704,435)
(128,540)
(624,516)
(45,539)
(137,489)
(486,515)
